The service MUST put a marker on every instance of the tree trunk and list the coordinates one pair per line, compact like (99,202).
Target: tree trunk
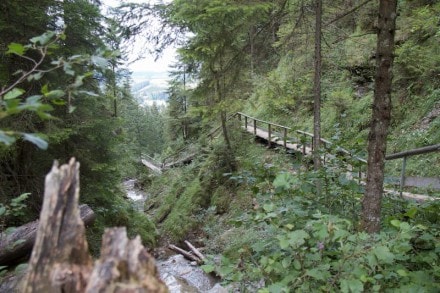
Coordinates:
(19,243)
(371,203)
(317,89)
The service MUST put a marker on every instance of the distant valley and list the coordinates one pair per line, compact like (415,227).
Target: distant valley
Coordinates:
(150,88)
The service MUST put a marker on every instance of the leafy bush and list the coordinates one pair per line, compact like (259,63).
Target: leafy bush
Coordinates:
(313,247)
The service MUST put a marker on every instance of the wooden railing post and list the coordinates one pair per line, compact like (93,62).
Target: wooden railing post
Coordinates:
(255,127)
(304,145)
(402,176)
(285,138)
(245,122)
(270,135)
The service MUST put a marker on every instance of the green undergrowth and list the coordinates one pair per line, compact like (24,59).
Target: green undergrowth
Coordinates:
(201,195)
(274,234)
(292,240)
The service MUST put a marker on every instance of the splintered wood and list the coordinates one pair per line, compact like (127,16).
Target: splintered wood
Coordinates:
(60,260)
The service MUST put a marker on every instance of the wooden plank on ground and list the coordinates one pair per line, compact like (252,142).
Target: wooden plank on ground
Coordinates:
(151,166)
(265,135)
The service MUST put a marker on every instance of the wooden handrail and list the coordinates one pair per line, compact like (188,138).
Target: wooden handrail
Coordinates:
(404,155)
(414,152)
(262,121)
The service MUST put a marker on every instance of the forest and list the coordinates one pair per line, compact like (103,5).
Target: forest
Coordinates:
(354,82)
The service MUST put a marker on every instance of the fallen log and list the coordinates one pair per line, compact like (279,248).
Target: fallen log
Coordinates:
(18,244)
(195,251)
(186,254)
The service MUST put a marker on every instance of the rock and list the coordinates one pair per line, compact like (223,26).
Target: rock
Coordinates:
(180,276)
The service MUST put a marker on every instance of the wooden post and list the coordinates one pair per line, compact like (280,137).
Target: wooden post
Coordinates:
(269,142)
(245,122)
(304,145)
(255,127)
(285,137)
(402,176)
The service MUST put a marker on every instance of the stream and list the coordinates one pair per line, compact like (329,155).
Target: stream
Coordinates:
(179,274)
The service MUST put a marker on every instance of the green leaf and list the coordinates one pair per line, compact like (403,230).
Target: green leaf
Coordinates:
(55,94)
(320,273)
(352,286)
(284,181)
(383,254)
(411,213)
(18,242)
(89,93)
(45,89)
(39,142)
(286,262)
(284,242)
(268,207)
(2,210)
(67,67)
(6,139)
(297,238)
(10,230)
(21,268)
(14,93)
(44,38)
(208,268)
(15,48)
(395,223)
(35,76)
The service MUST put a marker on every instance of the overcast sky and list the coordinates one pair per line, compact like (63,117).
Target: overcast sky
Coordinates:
(147,63)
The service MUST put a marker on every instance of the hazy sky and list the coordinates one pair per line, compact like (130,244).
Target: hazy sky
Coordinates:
(147,63)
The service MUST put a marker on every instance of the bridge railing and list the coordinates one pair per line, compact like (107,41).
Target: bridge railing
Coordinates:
(417,181)
(272,128)
(306,140)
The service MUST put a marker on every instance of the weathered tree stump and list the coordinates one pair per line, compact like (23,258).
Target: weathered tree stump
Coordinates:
(124,266)
(60,260)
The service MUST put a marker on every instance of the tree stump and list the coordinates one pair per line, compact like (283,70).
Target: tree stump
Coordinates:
(60,260)
(124,266)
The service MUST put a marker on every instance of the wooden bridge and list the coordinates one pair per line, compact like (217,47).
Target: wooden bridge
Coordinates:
(302,142)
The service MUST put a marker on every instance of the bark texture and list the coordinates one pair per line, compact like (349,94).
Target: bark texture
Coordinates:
(19,243)
(60,260)
(377,140)
(317,89)
(124,266)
